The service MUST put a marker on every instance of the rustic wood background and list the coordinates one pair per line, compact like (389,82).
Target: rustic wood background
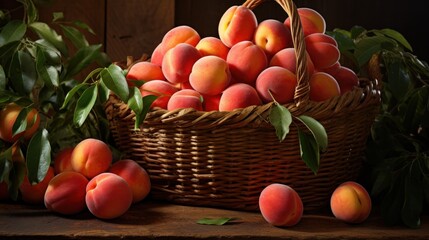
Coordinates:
(134,27)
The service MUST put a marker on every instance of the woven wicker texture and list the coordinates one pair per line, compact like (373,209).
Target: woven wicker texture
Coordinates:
(225,159)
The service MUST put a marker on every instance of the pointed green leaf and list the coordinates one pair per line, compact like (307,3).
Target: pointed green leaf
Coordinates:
(71,94)
(317,129)
(5,164)
(2,79)
(31,10)
(367,47)
(16,177)
(83,26)
(356,31)
(397,36)
(12,31)
(21,122)
(82,59)
(309,151)
(75,36)
(49,74)
(84,105)
(281,119)
(7,51)
(135,102)
(103,92)
(44,31)
(22,71)
(38,156)
(214,221)
(147,103)
(115,81)
(57,16)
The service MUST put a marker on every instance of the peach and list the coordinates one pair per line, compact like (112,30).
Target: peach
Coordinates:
(286,58)
(162,89)
(34,193)
(177,35)
(136,177)
(8,116)
(239,95)
(185,98)
(62,161)
(211,46)
(210,75)
(108,196)
(272,36)
(311,20)
(246,61)
(350,202)
(178,61)
(211,103)
(279,81)
(346,78)
(66,193)
(142,72)
(237,24)
(320,37)
(157,55)
(332,69)
(91,157)
(323,54)
(280,205)
(323,87)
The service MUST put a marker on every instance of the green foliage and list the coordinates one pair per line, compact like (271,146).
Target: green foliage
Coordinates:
(215,221)
(398,150)
(38,68)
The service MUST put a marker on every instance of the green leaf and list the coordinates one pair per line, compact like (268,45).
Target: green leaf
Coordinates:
(399,79)
(2,79)
(13,31)
(57,16)
(214,221)
(52,55)
(48,73)
(281,118)
(113,78)
(412,208)
(356,31)
(103,92)
(21,122)
(135,102)
(84,105)
(397,36)
(82,59)
(22,71)
(344,43)
(317,130)
(83,26)
(309,151)
(31,10)
(44,31)
(71,94)
(75,36)
(5,164)
(7,51)
(16,177)
(38,156)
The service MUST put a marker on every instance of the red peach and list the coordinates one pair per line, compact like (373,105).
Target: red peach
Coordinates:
(323,87)
(239,95)
(311,20)
(66,193)
(185,98)
(323,54)
(211,103)
(210,75)
(332,69)
(91,157)
(177,35)
(280,205)
(178,61)
(136,177)
(34,193)
(211,46)
(108,196)
(237,24)
(8,116)
(286,58)
(157,55)
(279,81)
(272,36)
(320,37)
(143,72)
(62,161)
(346,78)
(162,89)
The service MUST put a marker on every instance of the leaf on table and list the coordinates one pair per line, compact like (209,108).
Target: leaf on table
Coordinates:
(215,221)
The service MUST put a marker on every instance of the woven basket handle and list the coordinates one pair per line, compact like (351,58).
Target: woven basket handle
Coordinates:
(303,88)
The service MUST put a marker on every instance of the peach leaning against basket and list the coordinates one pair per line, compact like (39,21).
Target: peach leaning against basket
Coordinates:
(225,159)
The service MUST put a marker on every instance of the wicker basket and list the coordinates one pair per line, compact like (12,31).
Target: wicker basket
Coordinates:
(225,159)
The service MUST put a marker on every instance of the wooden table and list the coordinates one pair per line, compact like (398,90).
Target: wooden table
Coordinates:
(152,220)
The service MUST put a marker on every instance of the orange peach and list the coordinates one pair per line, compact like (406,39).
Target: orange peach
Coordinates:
(346,78)
(178,61)
(323,54)
(311,20)
(279,81)
(272,36)
(66,193)
(108,196)
(162,89)
(211,103)
(136,177)
(34,193)
(237,24)
(177,35)
(286,58)
(239,95)
(246,61)
(157,55)
(211,46)
(91,157)
(350,202)
(210,75)
(62,161)
(332,69)
(8,116)
(280,205)
(185,98)
(323,87)
(320,37)
(142,72)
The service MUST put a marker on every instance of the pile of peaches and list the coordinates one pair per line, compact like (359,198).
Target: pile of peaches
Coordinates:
(250,63)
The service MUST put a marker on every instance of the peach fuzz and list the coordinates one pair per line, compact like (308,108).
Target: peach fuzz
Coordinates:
(66,193)
(323,87)
(136,177)
(91,157)
(210,75)
(34,193)
(286,58)
(237,24)
(157,55)
(8,116)
(211,103)
(143,72)
(239,95)
(311,21)
(211,46)
(108,196)
(322,54)
(272,36)
(279,81)
(350,202)
(178,61)
(346,78)
(185,98)
(280,205)
(246,61)
(62,161)
(177,35)
(162,89)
